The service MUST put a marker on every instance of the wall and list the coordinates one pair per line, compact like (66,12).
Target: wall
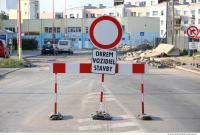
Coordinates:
(131,35)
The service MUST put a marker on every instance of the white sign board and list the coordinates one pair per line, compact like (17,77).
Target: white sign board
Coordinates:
(104,61)
(199,46)
(193,45)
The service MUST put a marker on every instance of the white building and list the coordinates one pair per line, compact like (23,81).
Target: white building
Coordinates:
(30,9)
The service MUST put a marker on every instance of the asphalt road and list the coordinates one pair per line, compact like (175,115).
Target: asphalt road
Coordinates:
(172,97)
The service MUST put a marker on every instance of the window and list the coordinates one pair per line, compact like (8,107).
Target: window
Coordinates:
(71,15)
(192,22)
(49,29)
(155,13)
(86,29)
(111,14)
(193,1)
(162,12)
(74,29)
(86,15)
(198,11)
(58,30)
(118,14)
(152,3)
(185,21)
(133,13)
(10,29)
(46,30)
(92,15)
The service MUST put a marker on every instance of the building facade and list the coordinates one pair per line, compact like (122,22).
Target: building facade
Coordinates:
(30,9)
(76,30)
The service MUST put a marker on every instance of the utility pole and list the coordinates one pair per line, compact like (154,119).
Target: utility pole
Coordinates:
(173,22)
(19,30)
(53,32)
(65,36)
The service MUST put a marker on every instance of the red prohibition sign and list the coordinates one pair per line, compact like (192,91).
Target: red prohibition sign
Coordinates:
(101,45)
(192,31)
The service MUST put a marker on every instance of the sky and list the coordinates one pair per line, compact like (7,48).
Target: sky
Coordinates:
(46,5)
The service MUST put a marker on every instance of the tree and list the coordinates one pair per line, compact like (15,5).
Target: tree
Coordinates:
(4,15)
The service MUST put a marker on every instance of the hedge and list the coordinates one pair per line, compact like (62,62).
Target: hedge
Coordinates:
(27,44)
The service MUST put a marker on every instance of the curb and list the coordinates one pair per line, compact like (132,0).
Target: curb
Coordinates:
(11,71)
(188,70)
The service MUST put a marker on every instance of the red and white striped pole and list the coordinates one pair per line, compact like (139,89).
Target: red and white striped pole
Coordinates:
(142,93)
(101,94)
(56,91)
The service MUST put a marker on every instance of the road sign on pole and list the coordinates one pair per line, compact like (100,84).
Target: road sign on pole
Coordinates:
(104,61)
(192,31)
(105,32)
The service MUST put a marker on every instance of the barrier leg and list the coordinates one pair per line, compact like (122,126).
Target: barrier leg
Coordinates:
(101,114)
(143,116)
(56,115)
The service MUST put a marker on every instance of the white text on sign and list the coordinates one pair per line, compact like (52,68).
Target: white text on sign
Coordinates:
(104,61)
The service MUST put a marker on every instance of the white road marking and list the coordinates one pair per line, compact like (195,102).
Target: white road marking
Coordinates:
(115,125)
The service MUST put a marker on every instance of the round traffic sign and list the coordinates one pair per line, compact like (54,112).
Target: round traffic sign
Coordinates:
(192,31)
(105,32)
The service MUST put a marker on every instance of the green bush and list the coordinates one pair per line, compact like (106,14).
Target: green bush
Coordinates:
(10,63)
(27,44)
(184,52)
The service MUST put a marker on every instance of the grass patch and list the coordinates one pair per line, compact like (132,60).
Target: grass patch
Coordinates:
(10,63)
(197,54)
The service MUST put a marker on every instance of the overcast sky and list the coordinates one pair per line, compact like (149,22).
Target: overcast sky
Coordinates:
(46,5)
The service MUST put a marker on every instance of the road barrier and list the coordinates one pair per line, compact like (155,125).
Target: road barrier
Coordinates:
(79,68)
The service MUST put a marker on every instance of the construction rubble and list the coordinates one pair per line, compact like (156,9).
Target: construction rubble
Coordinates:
(160,57)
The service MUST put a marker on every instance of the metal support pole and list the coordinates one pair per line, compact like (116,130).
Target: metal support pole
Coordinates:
(56,89)
(56,115)
(143,116)
(173,21)
(142,93)
(53,32)
(101,114)
(101,94)
(19,31)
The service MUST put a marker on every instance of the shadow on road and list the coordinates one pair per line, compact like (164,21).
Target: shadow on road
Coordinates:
(67,117)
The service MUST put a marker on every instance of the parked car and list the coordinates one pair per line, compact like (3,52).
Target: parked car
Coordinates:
(49,49)
(65,46)
(4,50)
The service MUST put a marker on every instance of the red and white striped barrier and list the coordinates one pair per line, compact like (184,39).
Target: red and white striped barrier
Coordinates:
(78,68)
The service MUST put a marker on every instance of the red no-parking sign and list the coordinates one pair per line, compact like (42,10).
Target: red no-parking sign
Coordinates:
(192,31)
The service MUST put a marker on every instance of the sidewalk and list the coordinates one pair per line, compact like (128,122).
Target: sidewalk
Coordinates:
(27,53)
(5,71)
(189,67)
